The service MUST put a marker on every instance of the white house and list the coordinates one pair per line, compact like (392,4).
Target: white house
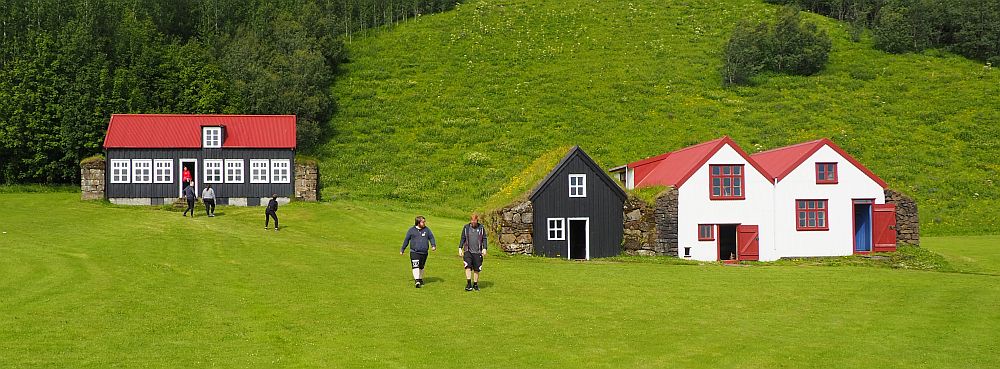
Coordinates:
(725,200)
(826,202)
(810,199)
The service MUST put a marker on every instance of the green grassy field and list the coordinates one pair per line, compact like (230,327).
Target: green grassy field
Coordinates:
(447,108)
(94,285)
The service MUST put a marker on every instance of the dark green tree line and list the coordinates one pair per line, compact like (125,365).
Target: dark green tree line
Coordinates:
(66,65)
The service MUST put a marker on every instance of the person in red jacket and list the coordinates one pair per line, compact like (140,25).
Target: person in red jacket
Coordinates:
(186,176)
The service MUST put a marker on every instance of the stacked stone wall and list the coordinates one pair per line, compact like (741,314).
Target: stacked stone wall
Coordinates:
(306,181)
(92,179)
(513,227)
(907,218)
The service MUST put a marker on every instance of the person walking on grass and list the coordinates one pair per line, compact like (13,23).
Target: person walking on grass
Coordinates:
(208,196)
(418,238)
(271,211)
(472,249)
(191,196)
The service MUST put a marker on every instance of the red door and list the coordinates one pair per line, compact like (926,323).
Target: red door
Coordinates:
(747,237)
(884,230)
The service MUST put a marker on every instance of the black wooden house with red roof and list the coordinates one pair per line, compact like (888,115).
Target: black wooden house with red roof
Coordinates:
(244,157)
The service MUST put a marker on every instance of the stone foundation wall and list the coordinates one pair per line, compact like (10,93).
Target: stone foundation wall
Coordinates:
(306,181)
(513,227)
(907,218)
(92,179)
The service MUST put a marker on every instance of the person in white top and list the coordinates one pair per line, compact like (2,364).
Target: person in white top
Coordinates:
(208,196)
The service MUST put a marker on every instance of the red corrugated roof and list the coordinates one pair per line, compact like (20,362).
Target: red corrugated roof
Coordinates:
(674,168)
(184,131)
(783,160)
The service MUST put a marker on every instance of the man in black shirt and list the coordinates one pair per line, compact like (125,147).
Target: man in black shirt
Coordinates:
(271,211)
(418,238)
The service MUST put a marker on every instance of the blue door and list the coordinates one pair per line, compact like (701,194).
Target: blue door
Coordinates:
(862,227)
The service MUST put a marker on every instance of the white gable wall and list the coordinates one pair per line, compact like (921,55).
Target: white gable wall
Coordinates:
(801,184)
(695,207)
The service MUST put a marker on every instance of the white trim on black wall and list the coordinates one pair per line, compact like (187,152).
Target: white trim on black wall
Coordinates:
(260,171)
(577,185)
(280,170)
(213,171)
(163,171)
(121,170)
(234,170)
(142,171)
(556,229)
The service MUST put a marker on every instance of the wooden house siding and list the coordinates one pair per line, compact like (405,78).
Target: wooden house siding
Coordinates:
(223,191)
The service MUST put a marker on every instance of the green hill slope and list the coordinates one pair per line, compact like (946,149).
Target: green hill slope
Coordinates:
(446,109)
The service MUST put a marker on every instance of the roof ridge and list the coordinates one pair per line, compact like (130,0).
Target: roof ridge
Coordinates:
(813,142)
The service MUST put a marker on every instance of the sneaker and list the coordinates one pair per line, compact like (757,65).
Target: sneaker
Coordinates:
(416,285)
(265,228)
(475,287)
(468,288)
(275,229)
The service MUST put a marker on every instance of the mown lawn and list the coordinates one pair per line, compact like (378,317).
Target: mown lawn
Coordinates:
(447,108)
(94,285)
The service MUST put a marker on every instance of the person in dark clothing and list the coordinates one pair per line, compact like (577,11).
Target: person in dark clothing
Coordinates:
(418,238)
(271,212)
(190,195)
(472,249)
(208,196)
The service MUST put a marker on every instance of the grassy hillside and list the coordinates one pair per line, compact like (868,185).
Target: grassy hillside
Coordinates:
(447,118)
(102,286)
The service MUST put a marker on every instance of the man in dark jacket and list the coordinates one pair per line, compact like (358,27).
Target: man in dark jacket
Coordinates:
(418,238)
(271,212)
(472,249)
(190,195)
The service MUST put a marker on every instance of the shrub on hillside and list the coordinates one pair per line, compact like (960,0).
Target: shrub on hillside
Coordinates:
(790,46)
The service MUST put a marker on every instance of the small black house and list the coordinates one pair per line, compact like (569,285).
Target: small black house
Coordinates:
(244,157)
(578,210)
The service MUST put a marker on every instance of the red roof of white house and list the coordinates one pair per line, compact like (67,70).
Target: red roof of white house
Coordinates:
(674,168)
(779,162)
(148,131)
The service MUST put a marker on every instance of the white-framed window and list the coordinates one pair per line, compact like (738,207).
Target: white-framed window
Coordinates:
(211,137)
(234,170)
(163,171)
(260,170)
(280,171)
(121,170)
(213,170)
(557,229)
(142,170)
(577,185)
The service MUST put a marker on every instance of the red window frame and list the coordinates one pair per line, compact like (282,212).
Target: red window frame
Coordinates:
(812,215)
(711,232)
(726,182)
(823,171)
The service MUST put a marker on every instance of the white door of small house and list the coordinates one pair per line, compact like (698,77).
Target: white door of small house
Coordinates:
(192,165)
(578,238)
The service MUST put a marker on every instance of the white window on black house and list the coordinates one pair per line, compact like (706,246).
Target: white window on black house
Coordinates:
(280,171)
(163,171)
(557,229)
(211,137)
(234,170)
(577,185)
(260,170)
(213,171)
(142,171)
(121,171)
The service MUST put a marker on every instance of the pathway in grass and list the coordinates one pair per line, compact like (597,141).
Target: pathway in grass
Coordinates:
(91,285)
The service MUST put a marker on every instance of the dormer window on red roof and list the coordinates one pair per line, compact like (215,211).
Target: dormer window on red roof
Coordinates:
(211,137)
